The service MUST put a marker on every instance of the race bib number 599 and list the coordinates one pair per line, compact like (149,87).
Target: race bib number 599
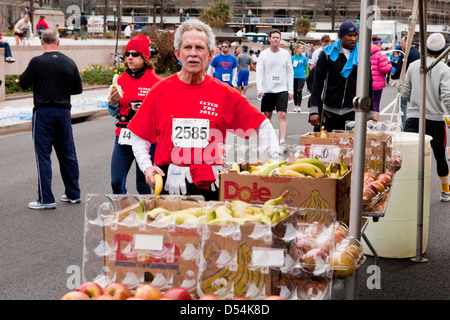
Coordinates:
(190,133)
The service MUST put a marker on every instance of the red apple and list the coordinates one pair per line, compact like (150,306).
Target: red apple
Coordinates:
(75,295)
(240,298)
(381,187)
(339,235)
(177,293)
(135,298)
(373,187)
(386,177)
(148,292)
(118,291)
(314,260)
(274,298)
(92,289)
(312,288)
(208,297)
(368,195)
(369,176)
(104,297)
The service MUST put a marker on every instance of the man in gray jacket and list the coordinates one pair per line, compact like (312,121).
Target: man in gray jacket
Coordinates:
(437,104)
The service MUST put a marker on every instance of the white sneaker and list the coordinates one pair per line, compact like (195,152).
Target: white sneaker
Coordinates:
(299,109)
(10,59)
(282,141)
(445,196)
(41,206)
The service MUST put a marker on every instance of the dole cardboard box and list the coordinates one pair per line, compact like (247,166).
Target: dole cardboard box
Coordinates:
(166,254)
(378,148)
(319,193)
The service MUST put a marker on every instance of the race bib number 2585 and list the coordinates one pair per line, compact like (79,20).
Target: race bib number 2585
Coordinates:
(190,133)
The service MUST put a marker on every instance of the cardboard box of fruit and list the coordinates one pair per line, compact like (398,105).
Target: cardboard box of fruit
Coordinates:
(223,249)
(378,147)
(310,182)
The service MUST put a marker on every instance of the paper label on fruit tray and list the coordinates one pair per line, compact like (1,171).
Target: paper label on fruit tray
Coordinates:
(148,242)
(325,153)
(268,257)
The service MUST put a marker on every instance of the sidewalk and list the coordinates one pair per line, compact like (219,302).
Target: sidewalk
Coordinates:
(90,104)
(18,110)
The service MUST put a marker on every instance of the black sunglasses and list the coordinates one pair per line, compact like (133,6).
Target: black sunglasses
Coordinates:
(134,54)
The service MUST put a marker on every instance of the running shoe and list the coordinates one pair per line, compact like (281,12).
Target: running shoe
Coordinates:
(445,196)
(38,206)
(64,198)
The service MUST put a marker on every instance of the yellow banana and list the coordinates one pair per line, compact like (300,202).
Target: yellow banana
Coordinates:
(323,133)
(158,183)
(343,169)
(115,85)
(265,219)
(155,212)
(313,161)
(291,173)
(266,170)
(221,221)
(276,217)
(274,202)
(252,218)
(179,218)
(447,120)
(195,211)
(235,166)
(305,168)
(222,213)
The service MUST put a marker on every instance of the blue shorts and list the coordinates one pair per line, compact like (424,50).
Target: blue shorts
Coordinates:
(242,79)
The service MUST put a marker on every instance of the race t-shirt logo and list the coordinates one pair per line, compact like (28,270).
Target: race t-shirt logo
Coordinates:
(225,64)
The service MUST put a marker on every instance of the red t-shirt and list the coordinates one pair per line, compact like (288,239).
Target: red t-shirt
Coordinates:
(171,100)
(134,89)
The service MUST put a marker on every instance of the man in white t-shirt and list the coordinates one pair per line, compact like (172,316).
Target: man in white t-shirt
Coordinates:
(325,40)
(275,81)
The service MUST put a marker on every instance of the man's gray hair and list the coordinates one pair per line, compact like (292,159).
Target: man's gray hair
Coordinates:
(198,25)
(50,35)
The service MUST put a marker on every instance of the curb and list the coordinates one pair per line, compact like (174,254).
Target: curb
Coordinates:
(26,126)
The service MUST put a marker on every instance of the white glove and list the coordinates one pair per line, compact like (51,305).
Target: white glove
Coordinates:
(176,179)
(217,169)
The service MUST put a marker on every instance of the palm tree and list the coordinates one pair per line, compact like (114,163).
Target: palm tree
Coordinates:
(302,26)
(217,14)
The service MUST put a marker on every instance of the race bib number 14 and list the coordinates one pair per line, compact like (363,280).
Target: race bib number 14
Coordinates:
(190,133)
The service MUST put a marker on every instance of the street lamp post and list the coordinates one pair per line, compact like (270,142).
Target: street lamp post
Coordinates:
(249,13)
(181,13)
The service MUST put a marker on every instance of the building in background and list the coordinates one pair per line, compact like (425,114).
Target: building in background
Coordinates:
(250,15)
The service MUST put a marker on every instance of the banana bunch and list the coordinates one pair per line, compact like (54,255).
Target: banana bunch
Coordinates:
(115,85)
(301,168)
(337,170)
(235,212)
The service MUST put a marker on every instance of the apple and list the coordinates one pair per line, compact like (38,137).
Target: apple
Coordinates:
(369,176)
(148,292)
(379,185)
(118,291)
(312,288)
(386,177)
(368,195)
(355,251)
(208,297)
(104,297)
(177,293)
(75,295)
(373,187)
(343,227)
(339,235)
(135,298)
(314,260)
(274,297)
(343,264)
(240,298)
(92,289)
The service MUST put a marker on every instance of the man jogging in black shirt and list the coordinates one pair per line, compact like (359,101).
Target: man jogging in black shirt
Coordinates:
(54,78)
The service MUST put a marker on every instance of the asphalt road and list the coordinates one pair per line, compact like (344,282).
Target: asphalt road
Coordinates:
(41,251)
